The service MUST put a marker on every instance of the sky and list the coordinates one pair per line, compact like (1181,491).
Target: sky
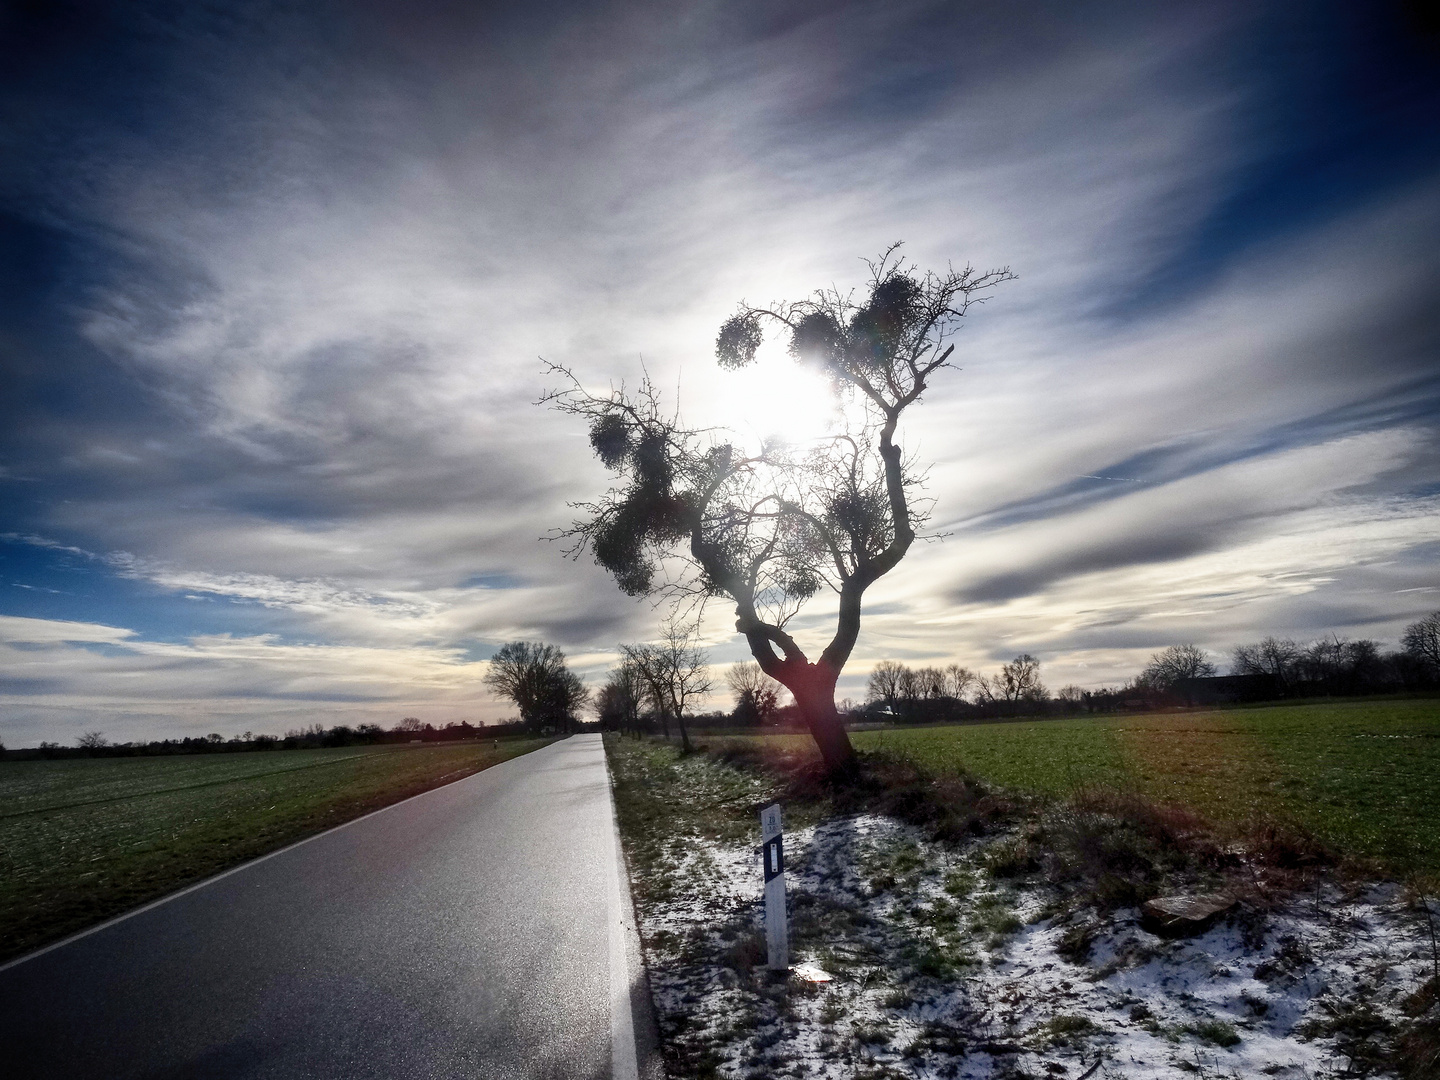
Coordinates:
(278,279)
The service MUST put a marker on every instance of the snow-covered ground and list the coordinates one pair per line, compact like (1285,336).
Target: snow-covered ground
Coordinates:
(941,970)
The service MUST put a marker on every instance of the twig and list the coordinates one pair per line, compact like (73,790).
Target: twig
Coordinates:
(1434,946)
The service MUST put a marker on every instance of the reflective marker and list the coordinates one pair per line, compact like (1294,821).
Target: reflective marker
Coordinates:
(777,933)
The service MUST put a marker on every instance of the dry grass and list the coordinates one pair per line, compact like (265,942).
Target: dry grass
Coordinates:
(947,807)
(1107,847)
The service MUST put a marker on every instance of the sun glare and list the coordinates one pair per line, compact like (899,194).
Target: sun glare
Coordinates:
(777,398)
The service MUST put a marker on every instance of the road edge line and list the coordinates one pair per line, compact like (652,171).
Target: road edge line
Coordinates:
(203,882)
(634,1034)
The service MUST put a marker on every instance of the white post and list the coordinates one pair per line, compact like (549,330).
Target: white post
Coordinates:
(777,932)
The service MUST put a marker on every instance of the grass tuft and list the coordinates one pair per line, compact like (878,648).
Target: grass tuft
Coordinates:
(1215,1032)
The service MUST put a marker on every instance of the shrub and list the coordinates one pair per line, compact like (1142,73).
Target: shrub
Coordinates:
(1216,1032)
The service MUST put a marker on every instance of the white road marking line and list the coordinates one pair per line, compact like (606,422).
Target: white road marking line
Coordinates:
(623,1061)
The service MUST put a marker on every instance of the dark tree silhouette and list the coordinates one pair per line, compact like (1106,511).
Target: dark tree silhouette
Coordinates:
(757,696)
(1421,640)
(1277,657)
(1169,666)
(891,683)
(886,683)
(693,513)
(1019,680)
(674,672)
(536,678)
(619,700)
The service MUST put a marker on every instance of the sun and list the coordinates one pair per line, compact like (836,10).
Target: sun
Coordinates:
(777,398)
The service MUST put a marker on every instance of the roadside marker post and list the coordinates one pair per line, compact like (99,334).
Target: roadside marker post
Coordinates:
(777,931)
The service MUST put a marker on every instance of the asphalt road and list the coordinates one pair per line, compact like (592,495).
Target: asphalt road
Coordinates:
(473,931)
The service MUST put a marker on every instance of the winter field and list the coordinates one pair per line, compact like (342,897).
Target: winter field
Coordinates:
(1361,775)
(84,839)
(994,927)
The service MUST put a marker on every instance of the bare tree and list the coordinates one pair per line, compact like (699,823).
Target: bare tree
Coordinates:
(1422,641)
(1277,657)
(619,701)
(929,683)
(92,740)
(768,529)
(410,723)
(958,681)
(1019,680)
(1341,666)
(1177,662)
(675,671)
(886,681)
(536,678)
(756,694)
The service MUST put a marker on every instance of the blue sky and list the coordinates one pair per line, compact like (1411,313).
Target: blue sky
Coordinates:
(276,279)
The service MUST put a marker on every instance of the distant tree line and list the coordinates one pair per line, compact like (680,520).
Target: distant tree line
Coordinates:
(656,686)
(1272,669)
(1276,668)
(408,730)
(898,692)
(1281,668)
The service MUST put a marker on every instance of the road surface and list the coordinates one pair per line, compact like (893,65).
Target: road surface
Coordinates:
(478,930)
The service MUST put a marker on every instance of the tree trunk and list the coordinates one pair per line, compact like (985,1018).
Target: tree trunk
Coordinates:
(815,697)
(812,684)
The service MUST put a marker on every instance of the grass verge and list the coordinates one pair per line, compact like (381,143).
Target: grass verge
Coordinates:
(959,920)
(84,840)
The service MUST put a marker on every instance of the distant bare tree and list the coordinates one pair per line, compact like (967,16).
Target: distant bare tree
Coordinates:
(1323,660)
(1276,657)
(1339,666)
(910,690)
(886,682)
(1019,680)
(756,694)
(746,676)
(536,678)
(1169,666)
(92,740)
(1421,640)
(619,701)
(958,681)
(675,671)
(929,684)
(410,723)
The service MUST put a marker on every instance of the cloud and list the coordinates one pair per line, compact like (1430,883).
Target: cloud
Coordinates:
(53,632)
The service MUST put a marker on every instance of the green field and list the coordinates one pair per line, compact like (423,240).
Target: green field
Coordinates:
(1363,776)
(84,839)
